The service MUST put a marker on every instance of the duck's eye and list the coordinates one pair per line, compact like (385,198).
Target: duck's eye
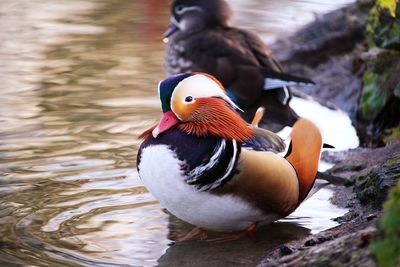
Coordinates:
(189,99)
(179,9)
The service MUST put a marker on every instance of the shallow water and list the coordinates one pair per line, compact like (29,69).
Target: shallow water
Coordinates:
(78,86)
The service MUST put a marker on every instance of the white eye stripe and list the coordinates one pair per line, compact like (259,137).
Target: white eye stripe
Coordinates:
(186,9)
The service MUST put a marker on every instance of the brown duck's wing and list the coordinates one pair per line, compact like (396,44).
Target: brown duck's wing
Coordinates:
(275,100)
(227,54)
(260,50)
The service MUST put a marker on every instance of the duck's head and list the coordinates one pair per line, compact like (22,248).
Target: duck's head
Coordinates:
(190,16)
(197,104)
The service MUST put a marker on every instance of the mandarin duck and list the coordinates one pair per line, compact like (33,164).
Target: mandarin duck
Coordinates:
(200,39)
(210,168)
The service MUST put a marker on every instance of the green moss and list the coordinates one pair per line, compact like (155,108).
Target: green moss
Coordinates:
(373,22)
(388,4)
(392,136)
(367,191)
(386,247)
(349,182)
(373,99)
(372,188)
(393,162)
(381,81)
(383,25)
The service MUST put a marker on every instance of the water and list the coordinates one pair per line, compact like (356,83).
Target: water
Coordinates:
(78,84)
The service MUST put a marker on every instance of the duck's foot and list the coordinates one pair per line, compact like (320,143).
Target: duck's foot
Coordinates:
(236,236)
(196,233)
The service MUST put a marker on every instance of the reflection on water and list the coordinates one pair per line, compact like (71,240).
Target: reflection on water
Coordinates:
(243,252)
(78,86)
(274,19)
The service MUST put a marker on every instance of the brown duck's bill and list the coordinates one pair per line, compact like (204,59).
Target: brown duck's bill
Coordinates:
(170,30)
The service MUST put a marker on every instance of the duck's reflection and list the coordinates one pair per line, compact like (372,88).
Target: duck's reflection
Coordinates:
(242,252)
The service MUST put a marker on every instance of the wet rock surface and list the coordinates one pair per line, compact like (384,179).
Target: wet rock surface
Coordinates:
(332,252)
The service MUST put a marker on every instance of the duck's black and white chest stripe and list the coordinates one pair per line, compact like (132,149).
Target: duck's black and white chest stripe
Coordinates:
(206,163)
(181,171)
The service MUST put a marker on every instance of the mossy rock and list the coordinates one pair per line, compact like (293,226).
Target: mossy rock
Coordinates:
(381,81)
(372,189)
(373,99)
(386,247)
(384,25)
(392,136)
(380,98)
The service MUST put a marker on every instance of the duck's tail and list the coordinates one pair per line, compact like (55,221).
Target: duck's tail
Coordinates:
(304,153)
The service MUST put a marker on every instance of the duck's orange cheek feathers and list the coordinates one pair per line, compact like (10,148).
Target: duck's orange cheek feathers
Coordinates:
(183,110)
(212,116)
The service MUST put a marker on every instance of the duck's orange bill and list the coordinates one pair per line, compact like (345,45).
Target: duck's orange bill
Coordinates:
(167,121)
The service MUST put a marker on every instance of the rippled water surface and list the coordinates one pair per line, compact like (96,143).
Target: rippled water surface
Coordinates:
(78,84)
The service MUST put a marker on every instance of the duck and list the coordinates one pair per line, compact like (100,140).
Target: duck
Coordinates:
(209,167)
(200,39)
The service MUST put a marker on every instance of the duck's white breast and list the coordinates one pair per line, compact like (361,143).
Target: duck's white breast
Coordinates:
(160,170)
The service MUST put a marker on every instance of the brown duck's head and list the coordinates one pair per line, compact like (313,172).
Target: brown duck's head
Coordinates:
(190,16)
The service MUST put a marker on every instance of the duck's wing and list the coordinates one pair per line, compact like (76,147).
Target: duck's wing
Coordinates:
(241,61)
(228,55)
(265,140)
(261,52)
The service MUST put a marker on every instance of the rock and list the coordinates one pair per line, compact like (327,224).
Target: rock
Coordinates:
(384,27)
(380,100)
(323,239)
(359,161)
(285,250)
(380,80)
(310,243)
(370,217)
(392,136)
(316,42)
(373,188)
(328,51)
(342,251)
